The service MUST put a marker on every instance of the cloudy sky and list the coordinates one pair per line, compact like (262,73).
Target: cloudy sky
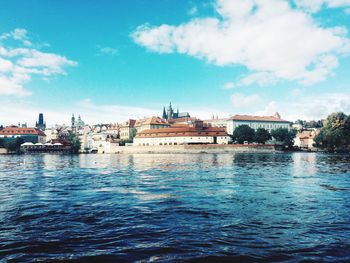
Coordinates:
(110,60)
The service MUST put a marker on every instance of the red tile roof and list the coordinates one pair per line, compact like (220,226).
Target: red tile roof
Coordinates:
(151,121)
(130,123)
(183,119)
(182,132)
(21,131)
(256,118)
(307,134)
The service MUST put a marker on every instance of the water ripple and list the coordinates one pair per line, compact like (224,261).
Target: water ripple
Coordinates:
(196,208)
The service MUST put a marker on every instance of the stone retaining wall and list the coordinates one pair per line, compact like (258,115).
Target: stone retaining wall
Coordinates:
(208,148)
(3,151)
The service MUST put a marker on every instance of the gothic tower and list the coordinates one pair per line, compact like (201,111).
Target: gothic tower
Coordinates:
(170,112)
(73,123)
(165,116)
(40,124)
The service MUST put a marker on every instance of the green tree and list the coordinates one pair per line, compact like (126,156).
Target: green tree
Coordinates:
(14,146)
(284,136)
(335,134)
(262,135)
(133,134)
(243,133)
(74,142)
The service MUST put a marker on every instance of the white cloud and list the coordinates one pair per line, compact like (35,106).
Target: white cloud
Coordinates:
(316,5)
(262,79)
(265,36)
(269,109)
(312,107)
(205,113)
(229,85)
(241,101)
(14,110)
(19,64)
(96,113)
(107,51)
(19,34)
(192,11)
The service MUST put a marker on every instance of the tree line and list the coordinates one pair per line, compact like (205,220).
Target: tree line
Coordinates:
(12,145)
(335,133)
(244,133)
(310,124)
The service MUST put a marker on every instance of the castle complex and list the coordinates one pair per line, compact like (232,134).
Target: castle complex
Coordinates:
(171,114)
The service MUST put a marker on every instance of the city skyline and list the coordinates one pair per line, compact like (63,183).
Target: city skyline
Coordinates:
(112,61)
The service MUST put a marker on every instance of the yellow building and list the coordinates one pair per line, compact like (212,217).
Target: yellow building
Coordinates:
(151,123)
(127,130)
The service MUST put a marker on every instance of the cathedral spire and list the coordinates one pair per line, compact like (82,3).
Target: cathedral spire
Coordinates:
(164,114)
(170,113)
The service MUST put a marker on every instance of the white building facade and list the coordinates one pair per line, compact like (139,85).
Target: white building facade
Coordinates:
(181,136)
(267,122)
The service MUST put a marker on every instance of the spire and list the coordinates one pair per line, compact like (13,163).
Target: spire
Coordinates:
(277,115)
(164,114)
(73,121)
(170,112)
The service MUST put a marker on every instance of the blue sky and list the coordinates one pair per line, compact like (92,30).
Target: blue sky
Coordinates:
(110,60)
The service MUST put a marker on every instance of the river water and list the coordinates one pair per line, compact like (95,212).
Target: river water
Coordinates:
(197,207)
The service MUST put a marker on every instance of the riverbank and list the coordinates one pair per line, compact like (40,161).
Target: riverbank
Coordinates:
(182,149)
(205,148)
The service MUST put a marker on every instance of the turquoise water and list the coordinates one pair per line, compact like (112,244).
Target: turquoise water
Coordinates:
(113,208)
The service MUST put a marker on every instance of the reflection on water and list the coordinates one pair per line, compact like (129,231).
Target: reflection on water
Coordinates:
(246,207)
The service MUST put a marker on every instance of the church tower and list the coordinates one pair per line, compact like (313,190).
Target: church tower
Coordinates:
(73,123)
(170,112)
(40,124)
(165,116)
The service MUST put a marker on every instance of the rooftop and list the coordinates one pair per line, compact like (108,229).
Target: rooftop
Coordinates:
(256,118)
(21,131)
(152,120)
(182,131)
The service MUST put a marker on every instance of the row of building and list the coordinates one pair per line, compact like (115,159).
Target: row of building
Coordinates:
(174,128)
